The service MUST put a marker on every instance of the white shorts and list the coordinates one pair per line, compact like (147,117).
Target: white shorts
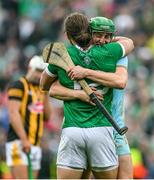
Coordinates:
(80,147)
(15,155)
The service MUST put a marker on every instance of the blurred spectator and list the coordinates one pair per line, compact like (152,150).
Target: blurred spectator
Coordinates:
(124,21)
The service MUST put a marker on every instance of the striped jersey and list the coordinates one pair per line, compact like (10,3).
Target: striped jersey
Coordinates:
(31,110)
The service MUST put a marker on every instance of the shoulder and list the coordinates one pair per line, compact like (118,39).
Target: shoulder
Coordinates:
(16,85)
(16,90)
(112,45)
(115,49)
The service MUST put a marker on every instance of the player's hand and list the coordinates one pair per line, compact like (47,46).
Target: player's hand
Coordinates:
(84,97)
(98,93)
(26,145)
(77,72)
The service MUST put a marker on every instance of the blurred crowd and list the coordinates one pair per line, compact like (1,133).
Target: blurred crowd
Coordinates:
(26,26)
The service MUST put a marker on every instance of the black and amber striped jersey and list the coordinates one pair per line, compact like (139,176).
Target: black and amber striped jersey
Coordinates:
(31,110)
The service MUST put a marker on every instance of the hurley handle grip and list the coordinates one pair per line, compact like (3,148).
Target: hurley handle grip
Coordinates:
(85,86)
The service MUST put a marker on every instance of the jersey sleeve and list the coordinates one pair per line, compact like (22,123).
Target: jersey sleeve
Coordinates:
(16,90)
(51,70)
(116,50)
(123,62)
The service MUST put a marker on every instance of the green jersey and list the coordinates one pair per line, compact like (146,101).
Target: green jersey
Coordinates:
(103,58)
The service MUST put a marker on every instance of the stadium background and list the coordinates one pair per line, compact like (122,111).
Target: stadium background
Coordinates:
(27,25)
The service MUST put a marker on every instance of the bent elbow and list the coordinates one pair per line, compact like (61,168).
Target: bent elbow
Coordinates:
(52,91)
(121,84)
(43,87)
(131,44)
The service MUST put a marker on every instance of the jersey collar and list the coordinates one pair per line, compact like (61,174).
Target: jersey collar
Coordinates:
(83,49)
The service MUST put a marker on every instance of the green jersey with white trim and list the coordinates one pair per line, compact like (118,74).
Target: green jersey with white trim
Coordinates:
(103,58)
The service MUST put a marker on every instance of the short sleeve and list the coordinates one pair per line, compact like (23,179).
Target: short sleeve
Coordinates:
(51,70)
(123,62)
(16,90)
(115,49)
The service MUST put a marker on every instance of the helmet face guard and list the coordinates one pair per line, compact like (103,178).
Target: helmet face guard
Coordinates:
(102,24)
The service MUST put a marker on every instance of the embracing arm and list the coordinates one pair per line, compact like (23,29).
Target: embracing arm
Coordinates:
(126,43)
(47,108)
(115,80)
(46,80)
(56,90)
(60,92)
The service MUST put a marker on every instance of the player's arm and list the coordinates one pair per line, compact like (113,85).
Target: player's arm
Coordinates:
(14,105)
(47,78)
(47,82)
(116,80)
(60,92)
(15,119)
(47,108)
(126,43)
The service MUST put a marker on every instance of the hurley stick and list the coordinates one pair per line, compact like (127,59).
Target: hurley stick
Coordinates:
(30,171)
